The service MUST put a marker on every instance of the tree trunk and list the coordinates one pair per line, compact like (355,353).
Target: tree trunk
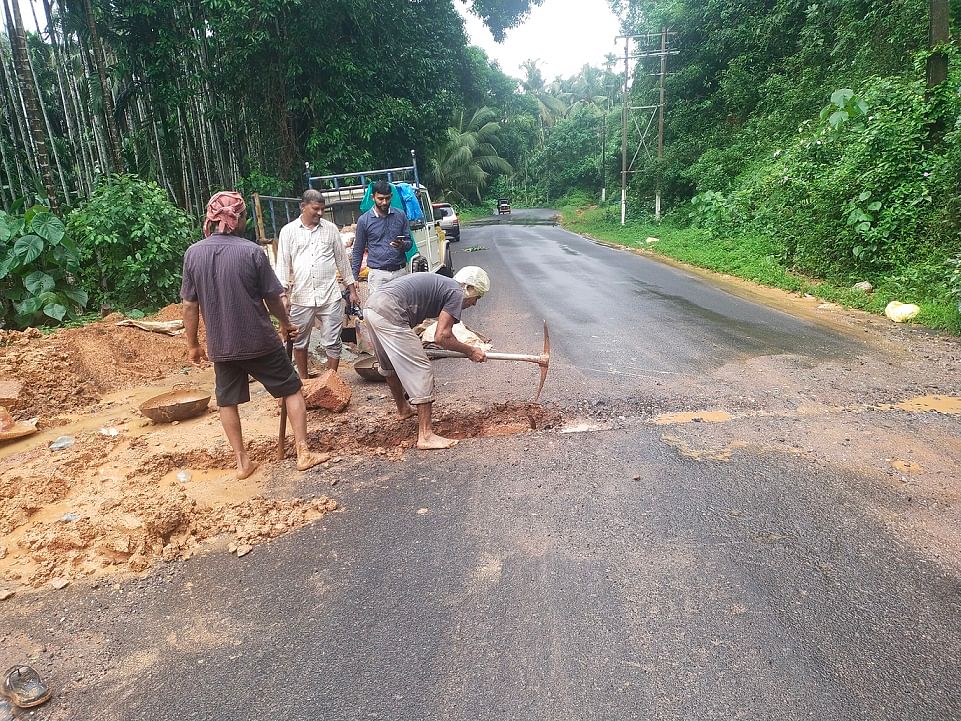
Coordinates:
(46,116)
(7,101)
(94,121)
(939,27)
(25,81)
(8,177)
(74,72)
(66,100)
(106,94)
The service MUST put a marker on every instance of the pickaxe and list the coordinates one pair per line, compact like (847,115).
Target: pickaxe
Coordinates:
(543,360)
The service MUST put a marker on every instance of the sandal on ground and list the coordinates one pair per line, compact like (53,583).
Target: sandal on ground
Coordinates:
(7,710)
(22,685)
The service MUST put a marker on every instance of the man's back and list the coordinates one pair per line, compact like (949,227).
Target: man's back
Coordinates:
(229,277)
(413,298)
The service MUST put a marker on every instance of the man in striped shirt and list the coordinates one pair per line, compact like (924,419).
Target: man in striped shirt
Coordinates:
(309,255)
(228,280)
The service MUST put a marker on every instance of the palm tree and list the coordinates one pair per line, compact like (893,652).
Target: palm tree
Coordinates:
(18,42)
(549,106)
(587,89)
(462,167)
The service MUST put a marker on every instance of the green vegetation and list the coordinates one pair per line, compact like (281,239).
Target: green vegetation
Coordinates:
(38,267)
(462,166)
(131,240)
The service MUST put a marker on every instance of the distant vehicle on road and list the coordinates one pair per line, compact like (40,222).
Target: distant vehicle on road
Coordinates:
(503,206)
(446,216)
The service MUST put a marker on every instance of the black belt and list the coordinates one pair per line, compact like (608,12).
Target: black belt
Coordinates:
(391,269)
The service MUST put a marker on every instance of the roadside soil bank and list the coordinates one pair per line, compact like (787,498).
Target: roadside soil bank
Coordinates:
(129,493)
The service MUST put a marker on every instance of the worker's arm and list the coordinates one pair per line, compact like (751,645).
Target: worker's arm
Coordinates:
(276,305)
(360,245)
(195,352)
(343,267)
(444,337)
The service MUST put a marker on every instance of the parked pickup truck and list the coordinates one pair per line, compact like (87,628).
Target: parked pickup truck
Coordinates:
(343,194)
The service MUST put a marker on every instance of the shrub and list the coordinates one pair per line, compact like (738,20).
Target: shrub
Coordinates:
(38,266)
(131,240)
(861,192)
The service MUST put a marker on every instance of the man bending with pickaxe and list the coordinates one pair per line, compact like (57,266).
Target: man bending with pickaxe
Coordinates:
(391,315)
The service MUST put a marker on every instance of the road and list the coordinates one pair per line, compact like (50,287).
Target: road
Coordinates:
(734,520)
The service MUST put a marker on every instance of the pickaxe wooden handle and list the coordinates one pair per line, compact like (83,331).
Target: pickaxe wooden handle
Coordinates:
(282,434)
(543,360)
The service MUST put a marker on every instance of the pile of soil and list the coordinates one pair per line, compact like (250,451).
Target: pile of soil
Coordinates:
(142,527)
(75,367)
(91,509)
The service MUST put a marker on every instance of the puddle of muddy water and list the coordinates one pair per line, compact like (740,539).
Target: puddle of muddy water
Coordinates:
(923,404)
(905,466)
(214,487)
(118,410)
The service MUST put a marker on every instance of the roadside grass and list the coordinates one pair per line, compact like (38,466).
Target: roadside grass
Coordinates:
(467,213)
(753,259)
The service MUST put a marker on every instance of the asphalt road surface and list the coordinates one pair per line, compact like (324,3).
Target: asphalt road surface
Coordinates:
(720,530)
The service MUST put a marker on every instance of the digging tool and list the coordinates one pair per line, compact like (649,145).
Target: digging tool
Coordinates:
(282,437)
(543,360)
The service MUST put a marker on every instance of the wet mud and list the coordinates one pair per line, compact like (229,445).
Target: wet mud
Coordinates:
(129,493)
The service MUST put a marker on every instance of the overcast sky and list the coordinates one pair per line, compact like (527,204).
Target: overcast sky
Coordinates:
(563,34)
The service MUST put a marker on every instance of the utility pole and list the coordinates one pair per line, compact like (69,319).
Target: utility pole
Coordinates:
(660,124)
(649,45)
(627,43)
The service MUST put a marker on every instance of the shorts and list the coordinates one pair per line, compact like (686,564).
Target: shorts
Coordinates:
(376,278)
(331,317)
(274,370)
(400,352)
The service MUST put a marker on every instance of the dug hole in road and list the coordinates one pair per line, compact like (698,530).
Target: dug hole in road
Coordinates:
(732,502)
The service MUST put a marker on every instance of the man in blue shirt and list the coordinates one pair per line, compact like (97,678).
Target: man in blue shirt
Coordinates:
(385,234)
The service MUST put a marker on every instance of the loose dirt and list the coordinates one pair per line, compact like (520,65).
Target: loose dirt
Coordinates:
(73,368)
(130,493)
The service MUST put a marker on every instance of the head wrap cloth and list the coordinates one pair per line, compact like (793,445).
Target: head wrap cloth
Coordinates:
(223,212)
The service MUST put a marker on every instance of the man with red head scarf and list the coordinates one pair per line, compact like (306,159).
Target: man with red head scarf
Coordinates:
(228,279)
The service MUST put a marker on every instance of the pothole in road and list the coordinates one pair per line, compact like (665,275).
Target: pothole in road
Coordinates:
(357,435)
(666,419)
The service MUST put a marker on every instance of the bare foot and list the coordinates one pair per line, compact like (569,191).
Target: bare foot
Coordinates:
(247,471)
(434,442)
(406,412)
(307,459)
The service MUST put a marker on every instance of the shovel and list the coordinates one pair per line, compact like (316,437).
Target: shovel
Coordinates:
(543,360)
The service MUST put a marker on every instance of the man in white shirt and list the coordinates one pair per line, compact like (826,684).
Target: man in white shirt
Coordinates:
(309,255)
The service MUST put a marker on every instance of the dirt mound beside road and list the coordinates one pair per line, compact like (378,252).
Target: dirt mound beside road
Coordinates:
(74,367)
